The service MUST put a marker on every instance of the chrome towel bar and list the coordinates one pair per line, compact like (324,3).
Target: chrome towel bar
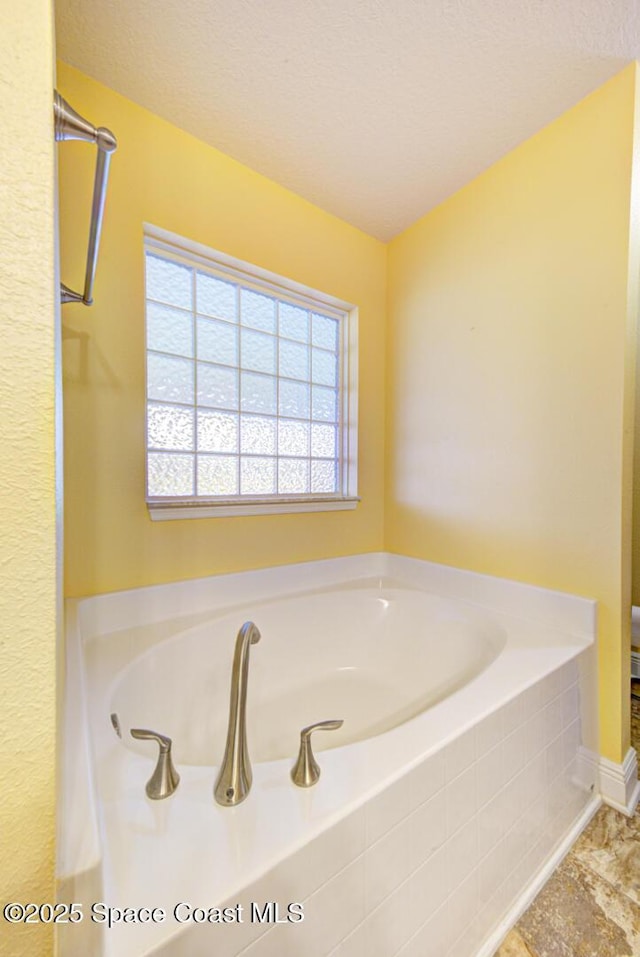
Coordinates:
(69,125)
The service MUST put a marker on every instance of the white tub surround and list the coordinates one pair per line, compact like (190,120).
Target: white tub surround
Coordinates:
(455,779)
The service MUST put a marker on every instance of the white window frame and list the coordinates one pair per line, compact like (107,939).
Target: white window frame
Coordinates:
(195,254)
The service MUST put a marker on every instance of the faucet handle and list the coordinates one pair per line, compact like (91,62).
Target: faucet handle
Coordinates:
(306,771)
(144,735)
(165,779)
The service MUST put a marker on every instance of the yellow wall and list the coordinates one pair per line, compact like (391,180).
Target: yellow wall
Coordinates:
(636,496)
(163,176)
(28,588)
(511,326)
(636,503)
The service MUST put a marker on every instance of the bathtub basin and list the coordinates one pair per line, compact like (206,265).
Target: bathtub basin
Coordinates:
(374,657)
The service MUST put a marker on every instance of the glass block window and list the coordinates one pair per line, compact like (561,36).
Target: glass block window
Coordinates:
(246,386)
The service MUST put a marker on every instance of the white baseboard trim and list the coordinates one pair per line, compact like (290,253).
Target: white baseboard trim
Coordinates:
(619,783)
(537,882)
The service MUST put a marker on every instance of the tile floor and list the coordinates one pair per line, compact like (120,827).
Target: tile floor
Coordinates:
(590,907)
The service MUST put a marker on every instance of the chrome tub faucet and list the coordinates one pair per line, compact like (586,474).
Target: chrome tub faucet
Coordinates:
(234,778)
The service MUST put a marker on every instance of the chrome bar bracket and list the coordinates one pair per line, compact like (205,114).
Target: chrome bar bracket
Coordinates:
(69,125)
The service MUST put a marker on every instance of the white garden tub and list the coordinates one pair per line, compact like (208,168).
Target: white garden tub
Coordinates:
(461,711)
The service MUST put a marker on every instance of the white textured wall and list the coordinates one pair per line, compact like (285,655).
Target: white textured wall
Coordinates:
(28,591)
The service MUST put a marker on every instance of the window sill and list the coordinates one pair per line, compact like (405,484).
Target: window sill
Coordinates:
(163,511)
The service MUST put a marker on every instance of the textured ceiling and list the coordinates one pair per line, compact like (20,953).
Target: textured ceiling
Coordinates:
(375,110)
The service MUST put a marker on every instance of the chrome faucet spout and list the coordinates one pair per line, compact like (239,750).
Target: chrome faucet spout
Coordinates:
(234,778)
